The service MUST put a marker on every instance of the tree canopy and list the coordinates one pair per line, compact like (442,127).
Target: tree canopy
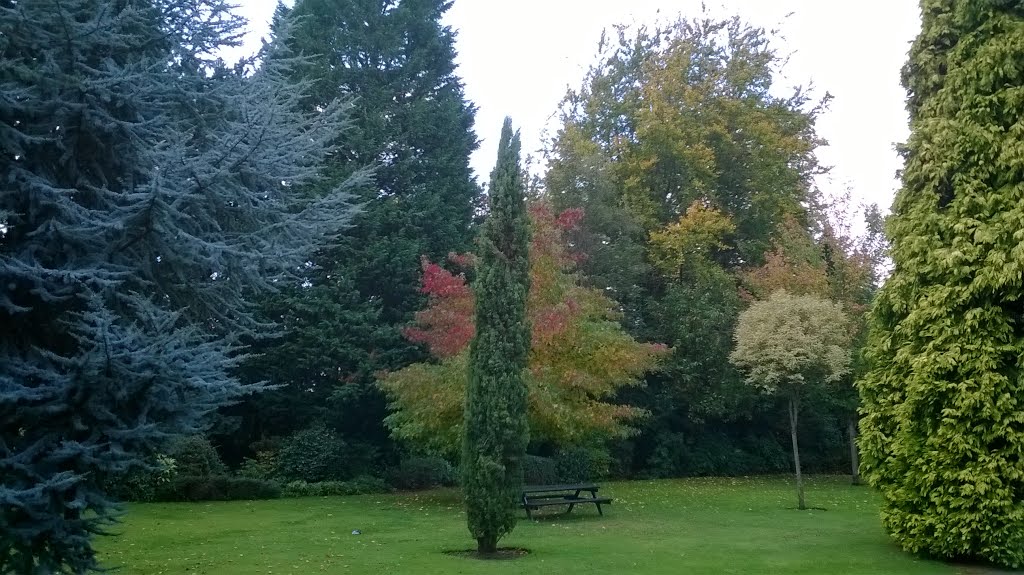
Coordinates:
(789,341)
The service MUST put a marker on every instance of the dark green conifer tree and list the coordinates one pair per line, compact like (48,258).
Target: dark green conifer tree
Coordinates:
(943,413)
(410,121)
(495,427)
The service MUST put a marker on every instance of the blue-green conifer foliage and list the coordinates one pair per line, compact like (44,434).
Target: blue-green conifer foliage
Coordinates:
(147,195)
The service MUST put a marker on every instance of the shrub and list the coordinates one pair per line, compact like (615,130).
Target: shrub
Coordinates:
(264,466)
(621,453)
(313,455)
(218,488)
(539,470)
(362,485)
(668,458)
(422,473)
(195,456)
(363,458)
(141,485)
(300,488)
(267,444)
(772,457)
(366,484)
(581,464)
(716,454)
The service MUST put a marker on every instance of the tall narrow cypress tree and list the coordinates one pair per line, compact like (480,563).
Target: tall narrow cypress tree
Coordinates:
(496,431)
(943,413)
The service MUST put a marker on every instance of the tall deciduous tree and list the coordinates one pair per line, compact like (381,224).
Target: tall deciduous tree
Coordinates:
(943,415)
(149,194)
(788,342)
(496,432)
(687,114)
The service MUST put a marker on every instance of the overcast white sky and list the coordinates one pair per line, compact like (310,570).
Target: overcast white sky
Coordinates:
(518,59)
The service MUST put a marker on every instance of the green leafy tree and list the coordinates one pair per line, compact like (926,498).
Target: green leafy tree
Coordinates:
(496,432)
(688,116)
(942,430)
(788,342)
(853,267)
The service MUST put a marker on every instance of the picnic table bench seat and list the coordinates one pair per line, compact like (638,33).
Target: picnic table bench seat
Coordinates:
(536,496)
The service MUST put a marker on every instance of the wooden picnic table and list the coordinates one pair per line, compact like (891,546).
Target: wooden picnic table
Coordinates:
(571,494)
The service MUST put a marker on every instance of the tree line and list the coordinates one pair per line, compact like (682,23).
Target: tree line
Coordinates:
(282,261)
(277,254)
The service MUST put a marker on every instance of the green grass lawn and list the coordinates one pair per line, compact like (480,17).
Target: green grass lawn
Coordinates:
(694,526)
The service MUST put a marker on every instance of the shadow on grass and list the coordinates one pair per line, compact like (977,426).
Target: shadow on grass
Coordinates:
(564,517)
(969,568)
(502,554)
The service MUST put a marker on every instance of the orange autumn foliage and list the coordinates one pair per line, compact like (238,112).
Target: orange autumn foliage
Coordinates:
(579,358)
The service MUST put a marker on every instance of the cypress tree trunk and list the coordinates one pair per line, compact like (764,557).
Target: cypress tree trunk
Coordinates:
(496,430)
(794,405)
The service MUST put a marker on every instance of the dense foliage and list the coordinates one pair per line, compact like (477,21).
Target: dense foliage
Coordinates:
(943,418)
(217,488)
(195,456)
(495,430)
(311,455)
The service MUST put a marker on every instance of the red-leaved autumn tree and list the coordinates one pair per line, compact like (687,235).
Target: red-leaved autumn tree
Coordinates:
(579,357)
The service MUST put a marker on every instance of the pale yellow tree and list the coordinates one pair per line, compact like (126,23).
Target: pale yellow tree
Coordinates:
(788,342)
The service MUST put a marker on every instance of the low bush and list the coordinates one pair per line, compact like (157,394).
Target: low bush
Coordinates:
(539,470)
(580,464)
(422,473)
(217,488)
(142,484)
(263,466)
(313,455)
(364,485)
(195,456)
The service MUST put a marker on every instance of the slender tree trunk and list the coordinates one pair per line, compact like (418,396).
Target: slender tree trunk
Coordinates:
(794,405)
(854,454)
(487,545)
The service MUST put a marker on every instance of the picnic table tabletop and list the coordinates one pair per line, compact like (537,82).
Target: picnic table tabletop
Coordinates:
(565,487)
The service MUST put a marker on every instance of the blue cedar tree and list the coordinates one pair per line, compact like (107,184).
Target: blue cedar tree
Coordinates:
(148,196)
